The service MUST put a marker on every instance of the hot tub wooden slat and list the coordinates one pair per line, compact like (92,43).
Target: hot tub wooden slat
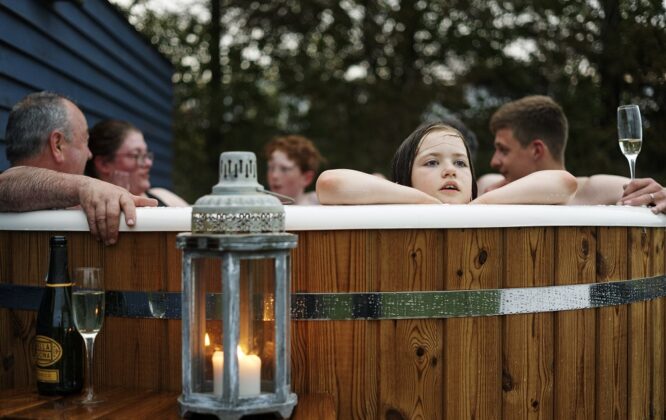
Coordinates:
(409,346)
(656,321)
(575,353)
(638,330)
(25,262)
(29,258)
(139,262)
(611,372)
(473,260)
(528,339)
(344,355)
(84,250)
(5,254)
(16,330)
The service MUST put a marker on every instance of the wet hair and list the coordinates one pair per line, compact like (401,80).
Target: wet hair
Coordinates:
(534,117)
(31,122)
(468,135)
(106,137)
(298,148)
(403,159)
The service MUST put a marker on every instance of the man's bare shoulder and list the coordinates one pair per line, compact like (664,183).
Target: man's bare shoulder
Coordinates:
(488,180)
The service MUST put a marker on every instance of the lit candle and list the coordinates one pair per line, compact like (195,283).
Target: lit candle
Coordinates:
(249,372)
(208,365)
(249,367)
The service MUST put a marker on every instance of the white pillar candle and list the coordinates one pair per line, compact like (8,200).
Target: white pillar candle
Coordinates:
(249,371)
(218,364)
(250,374)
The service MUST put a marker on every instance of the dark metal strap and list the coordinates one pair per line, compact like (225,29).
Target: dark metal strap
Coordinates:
(382,305)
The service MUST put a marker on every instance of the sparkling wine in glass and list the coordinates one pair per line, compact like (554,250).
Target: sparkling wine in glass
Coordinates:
(88,308)
(630,133)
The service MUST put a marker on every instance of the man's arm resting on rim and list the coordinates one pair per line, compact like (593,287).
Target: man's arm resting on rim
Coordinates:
(27,188)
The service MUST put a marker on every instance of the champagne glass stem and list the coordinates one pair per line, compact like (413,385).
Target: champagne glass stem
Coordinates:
(632,166)
(90,347)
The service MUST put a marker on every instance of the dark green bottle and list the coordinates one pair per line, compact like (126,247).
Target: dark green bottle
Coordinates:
(58,345)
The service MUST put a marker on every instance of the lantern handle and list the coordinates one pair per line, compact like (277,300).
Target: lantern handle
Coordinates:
(283,198)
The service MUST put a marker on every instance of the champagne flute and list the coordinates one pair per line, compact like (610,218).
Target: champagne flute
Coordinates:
(630,133)
(88,304)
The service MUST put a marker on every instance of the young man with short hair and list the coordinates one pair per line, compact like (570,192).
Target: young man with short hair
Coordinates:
(531,135)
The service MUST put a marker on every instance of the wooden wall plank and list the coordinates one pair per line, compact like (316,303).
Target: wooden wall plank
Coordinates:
(473,367)
(527,347)
(574,382)
(612,366)
(90,53)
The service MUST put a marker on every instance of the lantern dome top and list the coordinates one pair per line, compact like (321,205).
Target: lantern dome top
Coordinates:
(238,203)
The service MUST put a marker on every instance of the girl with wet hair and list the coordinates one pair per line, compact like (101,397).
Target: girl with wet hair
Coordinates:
(433,166)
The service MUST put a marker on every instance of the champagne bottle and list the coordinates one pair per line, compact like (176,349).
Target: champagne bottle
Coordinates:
(58,345)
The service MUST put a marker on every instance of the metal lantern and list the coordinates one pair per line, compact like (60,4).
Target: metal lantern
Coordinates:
(236,299)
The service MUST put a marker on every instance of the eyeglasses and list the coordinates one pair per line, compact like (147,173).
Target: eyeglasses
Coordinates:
(139,158)
(280,168)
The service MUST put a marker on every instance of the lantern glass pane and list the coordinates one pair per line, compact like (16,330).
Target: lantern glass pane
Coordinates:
(257,317)
(205,327)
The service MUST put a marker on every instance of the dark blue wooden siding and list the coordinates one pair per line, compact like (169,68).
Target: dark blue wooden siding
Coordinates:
(91,54)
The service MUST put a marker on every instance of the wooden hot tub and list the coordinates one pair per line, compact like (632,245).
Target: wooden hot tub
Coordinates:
(537,331)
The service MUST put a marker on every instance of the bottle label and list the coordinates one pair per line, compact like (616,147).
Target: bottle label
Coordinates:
(48,375)
(47,351)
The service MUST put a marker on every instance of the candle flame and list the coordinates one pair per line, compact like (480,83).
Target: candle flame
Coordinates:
(206,340)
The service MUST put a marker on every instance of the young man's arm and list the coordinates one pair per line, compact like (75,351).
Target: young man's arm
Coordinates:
(540,187)
(26,188)
(599,189)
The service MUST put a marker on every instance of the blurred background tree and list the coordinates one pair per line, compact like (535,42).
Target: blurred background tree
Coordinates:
(357,76)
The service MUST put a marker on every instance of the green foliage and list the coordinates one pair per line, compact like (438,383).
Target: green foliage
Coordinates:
(356,76)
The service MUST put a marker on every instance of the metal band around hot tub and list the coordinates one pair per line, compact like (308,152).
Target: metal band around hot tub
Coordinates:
(383,305)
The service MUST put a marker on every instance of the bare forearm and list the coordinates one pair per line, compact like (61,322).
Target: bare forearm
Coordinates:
(599,189)
(542,187)
(28,188)
(345,186)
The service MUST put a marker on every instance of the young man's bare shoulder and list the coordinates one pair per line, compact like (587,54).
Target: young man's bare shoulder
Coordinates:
(488,181)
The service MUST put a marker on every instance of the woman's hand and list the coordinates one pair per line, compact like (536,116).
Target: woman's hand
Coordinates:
(644,192)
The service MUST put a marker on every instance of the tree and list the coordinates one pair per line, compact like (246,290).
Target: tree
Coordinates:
(356,76)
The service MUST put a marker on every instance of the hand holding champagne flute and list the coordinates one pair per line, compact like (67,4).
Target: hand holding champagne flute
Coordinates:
(88,308)
(630,134)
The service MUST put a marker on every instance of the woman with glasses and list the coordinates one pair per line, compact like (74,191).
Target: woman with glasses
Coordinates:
(121,157)
(293,162)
